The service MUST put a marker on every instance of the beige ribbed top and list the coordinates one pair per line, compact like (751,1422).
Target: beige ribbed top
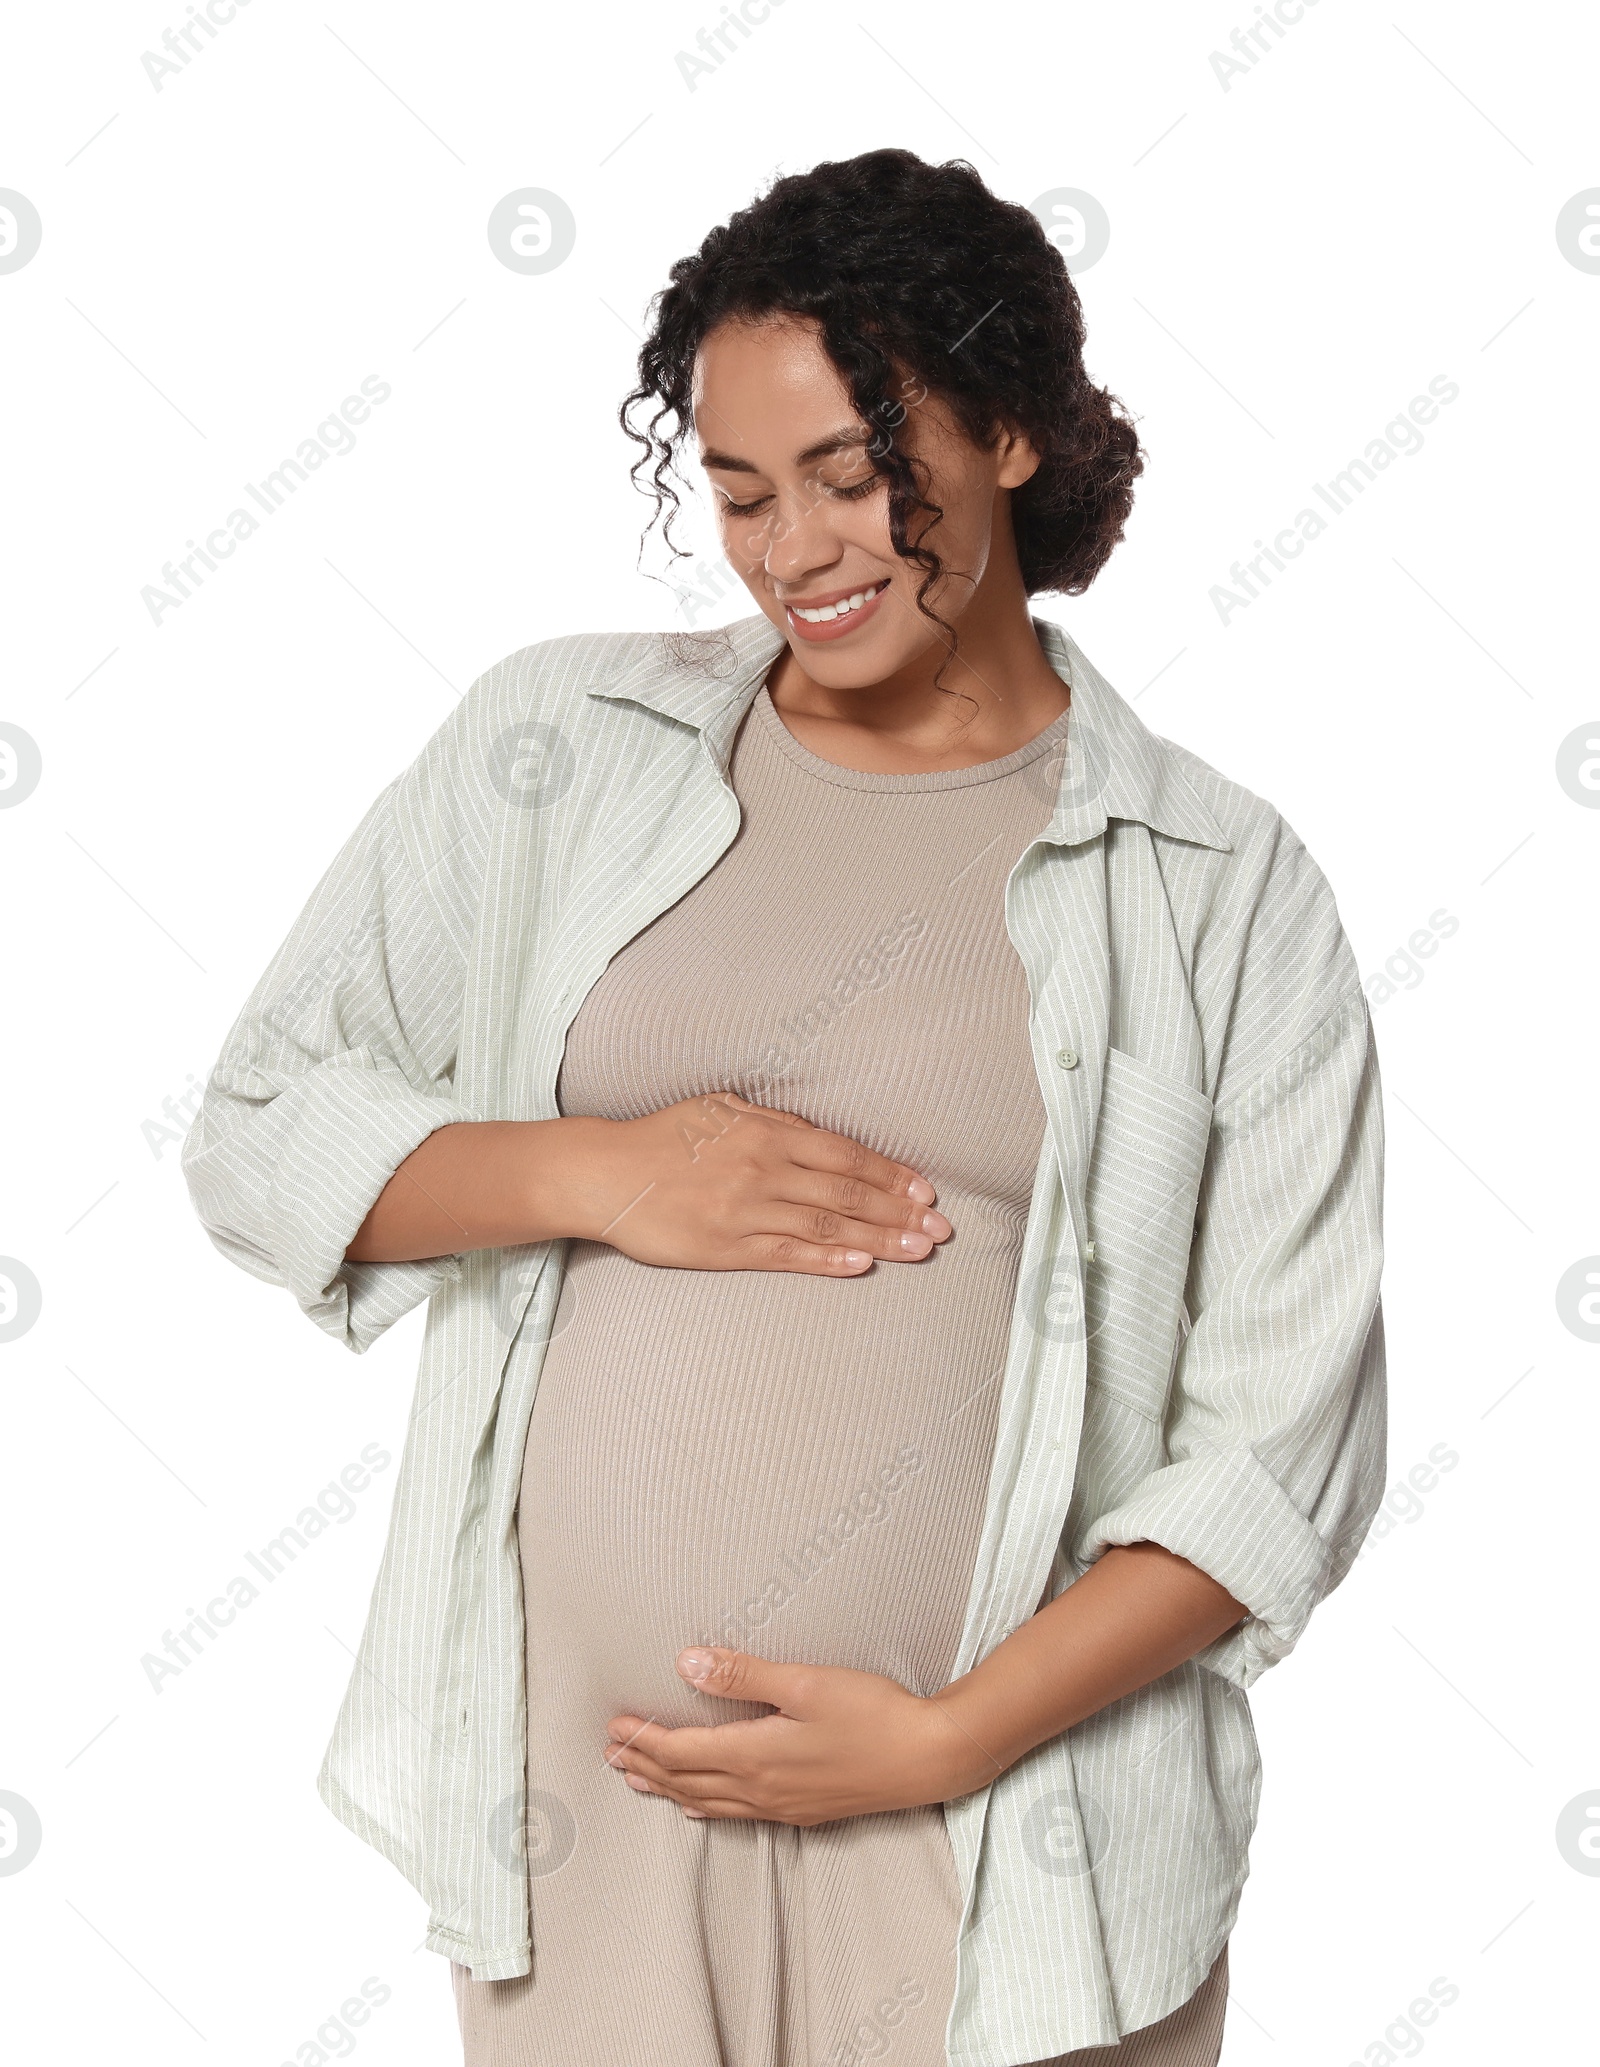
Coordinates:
(792,1465)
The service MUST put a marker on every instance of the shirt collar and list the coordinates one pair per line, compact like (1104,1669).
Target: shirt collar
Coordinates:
(1115,766)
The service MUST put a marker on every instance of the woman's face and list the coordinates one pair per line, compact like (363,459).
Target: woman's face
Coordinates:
(805,520)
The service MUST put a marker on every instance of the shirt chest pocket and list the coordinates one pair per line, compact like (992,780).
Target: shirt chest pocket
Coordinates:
(1144,1179)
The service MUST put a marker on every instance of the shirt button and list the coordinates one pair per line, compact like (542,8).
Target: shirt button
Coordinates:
(1068,1058)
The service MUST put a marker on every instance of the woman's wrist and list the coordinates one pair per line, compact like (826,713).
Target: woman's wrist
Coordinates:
(492,1184)
(568,1187)
(963,1749)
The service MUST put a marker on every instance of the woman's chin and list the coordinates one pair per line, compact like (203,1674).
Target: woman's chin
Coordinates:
(855,662)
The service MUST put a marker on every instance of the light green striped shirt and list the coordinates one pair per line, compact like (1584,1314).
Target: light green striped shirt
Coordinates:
(1196,1349)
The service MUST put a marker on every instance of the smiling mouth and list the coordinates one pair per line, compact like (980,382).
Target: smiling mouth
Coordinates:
(838,609)
(841,606)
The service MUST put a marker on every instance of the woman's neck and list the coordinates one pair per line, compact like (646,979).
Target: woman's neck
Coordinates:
(997,692)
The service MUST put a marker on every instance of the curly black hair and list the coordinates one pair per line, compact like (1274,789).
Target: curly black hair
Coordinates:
(915,274)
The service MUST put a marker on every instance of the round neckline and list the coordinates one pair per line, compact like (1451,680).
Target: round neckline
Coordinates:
(768,717)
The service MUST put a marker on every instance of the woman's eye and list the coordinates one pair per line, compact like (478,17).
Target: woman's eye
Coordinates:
(838,491)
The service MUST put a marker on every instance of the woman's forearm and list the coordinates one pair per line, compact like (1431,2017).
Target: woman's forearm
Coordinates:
(1134,1615)
(483,1184)
(710,1182)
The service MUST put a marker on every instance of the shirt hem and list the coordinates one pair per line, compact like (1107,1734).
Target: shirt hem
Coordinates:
(996,2052)
(496,1963)
(501,1964)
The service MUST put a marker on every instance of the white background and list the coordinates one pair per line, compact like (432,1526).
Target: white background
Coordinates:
(1293,257)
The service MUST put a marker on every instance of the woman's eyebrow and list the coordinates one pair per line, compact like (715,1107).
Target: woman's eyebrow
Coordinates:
(726,463)
(835,441)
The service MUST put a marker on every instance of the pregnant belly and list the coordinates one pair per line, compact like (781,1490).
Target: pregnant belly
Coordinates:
(789,1465)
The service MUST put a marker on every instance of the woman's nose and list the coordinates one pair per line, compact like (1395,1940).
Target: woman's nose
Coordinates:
(800,545)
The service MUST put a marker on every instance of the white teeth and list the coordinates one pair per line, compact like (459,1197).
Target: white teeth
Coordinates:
(830,611)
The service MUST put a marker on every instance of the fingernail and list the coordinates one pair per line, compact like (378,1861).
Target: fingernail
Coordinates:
(921,1190)
(694,1664)
(915,1244)
(856,1258)
(699,1815)
(935,1224)
(634,1781)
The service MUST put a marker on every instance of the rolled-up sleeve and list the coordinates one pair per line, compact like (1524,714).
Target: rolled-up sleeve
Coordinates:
(1276,1422)
(339,1065)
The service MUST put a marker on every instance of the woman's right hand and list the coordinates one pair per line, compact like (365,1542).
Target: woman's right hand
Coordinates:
(717,1183)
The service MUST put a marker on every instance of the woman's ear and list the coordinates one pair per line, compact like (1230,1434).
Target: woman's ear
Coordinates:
(1018,459)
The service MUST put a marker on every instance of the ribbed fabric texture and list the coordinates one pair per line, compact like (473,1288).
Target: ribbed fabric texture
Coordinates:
(493,2020)
(792,1465)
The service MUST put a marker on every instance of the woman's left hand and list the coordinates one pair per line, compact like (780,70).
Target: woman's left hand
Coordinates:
(843,1743)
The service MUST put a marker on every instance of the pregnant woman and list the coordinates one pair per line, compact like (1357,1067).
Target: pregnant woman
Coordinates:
(892,1151)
